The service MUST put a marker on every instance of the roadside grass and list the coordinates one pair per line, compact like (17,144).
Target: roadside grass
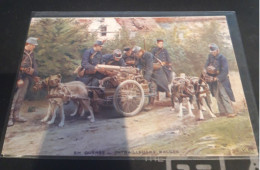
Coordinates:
(221,136)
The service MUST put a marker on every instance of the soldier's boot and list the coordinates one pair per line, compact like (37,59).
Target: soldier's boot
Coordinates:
(167,94)
(158,96)
(10,122)
(150,105)
(18,118)
(11,117)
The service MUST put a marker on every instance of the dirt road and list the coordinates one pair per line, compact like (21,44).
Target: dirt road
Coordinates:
(158,132)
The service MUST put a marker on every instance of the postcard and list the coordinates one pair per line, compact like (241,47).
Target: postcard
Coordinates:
(164,86)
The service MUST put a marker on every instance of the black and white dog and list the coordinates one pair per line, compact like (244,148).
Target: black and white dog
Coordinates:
(182,88)
(190,87)
(202,93)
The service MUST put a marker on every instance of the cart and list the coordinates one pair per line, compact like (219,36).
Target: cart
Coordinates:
(124,88)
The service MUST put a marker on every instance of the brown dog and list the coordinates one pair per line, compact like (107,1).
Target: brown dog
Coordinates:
(60,93)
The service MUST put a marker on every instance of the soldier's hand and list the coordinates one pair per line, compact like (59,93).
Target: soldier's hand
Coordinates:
(36,79)
(29,70)
(130,62)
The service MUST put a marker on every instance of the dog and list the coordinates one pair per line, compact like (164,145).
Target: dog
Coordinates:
(60,93)
(182,88)
(202,92)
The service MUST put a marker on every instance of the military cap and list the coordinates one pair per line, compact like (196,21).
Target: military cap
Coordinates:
(159,40)
(127,48)
(213,47)
(32,40)
(117,53)
(99,43)
(136,49)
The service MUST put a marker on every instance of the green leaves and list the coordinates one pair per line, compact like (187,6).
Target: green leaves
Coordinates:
(61,42)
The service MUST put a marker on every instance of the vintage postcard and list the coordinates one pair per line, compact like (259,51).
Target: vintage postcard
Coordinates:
(129,87)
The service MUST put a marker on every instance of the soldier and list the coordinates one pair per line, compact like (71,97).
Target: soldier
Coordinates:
(114,59)
(145,62)
(129,57)
(90,59)
(161,55)
(216,69)
(27,72)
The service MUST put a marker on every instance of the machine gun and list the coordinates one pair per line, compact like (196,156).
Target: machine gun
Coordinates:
(114,70)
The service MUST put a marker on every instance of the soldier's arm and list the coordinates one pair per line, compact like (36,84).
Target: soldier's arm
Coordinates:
(122,62)
(35,67)
(25,62)
(223,69)
(85,63)
(106,58)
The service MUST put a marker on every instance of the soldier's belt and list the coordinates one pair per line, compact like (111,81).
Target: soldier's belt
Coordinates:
(27,70)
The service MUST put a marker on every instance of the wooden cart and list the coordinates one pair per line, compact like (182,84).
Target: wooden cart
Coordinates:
(124,88)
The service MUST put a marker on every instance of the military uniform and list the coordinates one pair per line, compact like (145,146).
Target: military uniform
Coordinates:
(129,58)
(162,55)
(89,60)
(221,89)
(146,63)
(28,62)
(109,60)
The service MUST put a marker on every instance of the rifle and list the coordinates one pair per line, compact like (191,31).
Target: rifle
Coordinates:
(159,61)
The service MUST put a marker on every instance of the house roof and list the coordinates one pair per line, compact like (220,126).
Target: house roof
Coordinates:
(138,24)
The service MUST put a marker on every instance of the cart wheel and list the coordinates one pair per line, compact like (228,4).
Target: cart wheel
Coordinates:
(129,98)
(107,82)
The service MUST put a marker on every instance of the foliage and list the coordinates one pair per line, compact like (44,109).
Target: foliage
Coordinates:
(61,42)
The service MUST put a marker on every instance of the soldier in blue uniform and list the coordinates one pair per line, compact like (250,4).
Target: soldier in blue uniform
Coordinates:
(114,59)
(216,69)
(161,56)
(129,58)
(90,59)
(145,62)
(27,73)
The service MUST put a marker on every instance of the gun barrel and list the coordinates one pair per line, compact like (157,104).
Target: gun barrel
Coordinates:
(117,68)
(108,67)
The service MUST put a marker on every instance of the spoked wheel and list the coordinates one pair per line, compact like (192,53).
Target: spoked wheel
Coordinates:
(107,83)
(128,99)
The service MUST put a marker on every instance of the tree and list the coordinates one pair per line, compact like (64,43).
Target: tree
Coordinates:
(61,42)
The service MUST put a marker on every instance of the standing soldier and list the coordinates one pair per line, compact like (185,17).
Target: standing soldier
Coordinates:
(129,58)
(114,59)
(161,56)
(27,72)
(145,62)
(216,69)
(90,59)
